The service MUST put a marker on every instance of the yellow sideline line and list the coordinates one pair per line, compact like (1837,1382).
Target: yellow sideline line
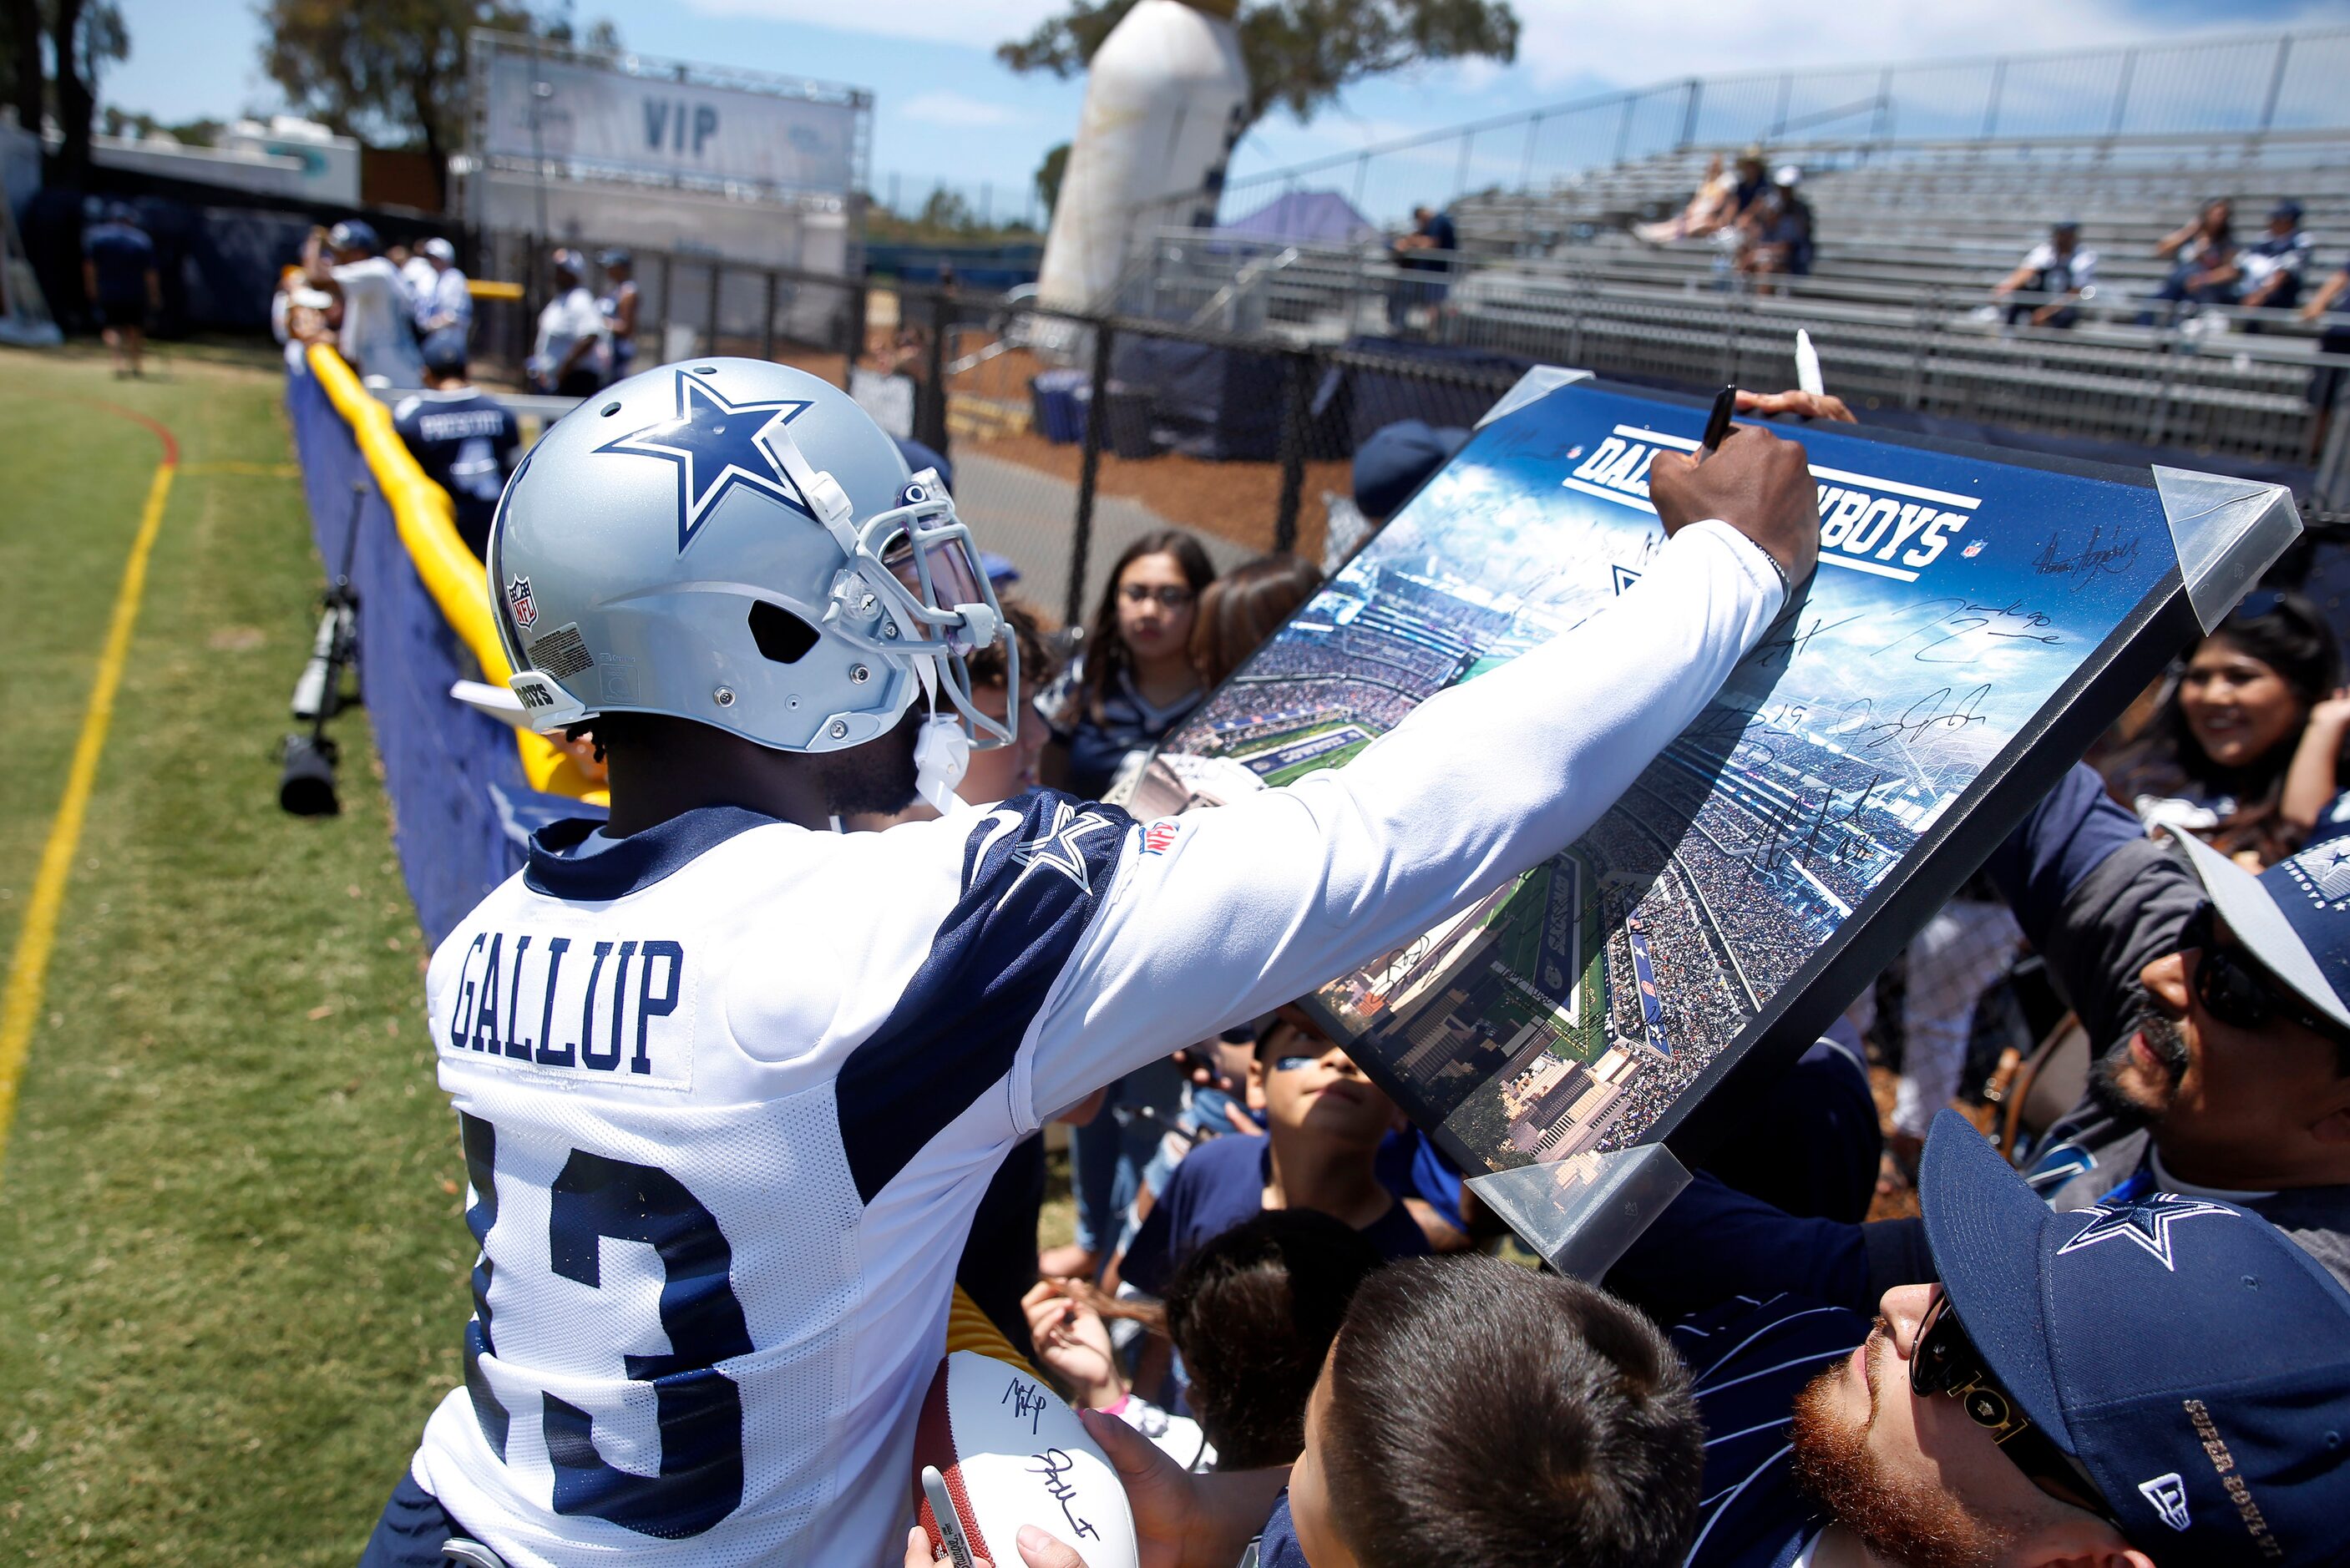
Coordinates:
(28,966)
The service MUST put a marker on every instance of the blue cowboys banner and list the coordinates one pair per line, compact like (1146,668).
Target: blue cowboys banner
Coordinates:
(1974,622)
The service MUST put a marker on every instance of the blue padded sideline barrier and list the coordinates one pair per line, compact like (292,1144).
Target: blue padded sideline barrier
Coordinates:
(460,805)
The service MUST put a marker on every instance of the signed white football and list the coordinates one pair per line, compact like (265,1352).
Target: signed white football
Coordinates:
(1011,1454)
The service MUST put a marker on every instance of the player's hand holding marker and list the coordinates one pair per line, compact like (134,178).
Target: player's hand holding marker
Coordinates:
(1758,482)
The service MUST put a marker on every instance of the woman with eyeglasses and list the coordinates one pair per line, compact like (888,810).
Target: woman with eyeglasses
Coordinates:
(1135,680)
(2215,759)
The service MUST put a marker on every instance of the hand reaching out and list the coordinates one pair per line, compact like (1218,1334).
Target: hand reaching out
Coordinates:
(1038,1549)
(1811,405)
(1072,1341)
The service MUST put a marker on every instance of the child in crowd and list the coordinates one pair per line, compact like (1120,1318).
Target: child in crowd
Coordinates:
(1325,1122)
(1245,606)
(1253,1313)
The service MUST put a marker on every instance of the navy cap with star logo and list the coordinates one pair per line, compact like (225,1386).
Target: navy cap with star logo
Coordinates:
(2186,1352)
(2294,916)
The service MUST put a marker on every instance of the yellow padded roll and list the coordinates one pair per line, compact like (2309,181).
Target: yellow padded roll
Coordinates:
(450,574)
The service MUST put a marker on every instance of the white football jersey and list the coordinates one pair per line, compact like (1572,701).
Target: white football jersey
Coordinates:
(731,1089)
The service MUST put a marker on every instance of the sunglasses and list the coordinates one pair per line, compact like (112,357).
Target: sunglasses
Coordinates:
(1945,1361)
(2236,992)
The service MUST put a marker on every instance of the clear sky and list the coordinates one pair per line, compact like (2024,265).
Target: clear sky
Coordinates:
(945,109)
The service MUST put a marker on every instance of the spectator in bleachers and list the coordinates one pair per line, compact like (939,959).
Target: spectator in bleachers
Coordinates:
(1325,1122)
(2214,760)
(449,304)
(574,354)
(1778,230)
(378,330)
(1751,187)
(618,304)
(2276,265)
(1425,255)
(1708,209)
(2060,268)
(2209,269)
(1240,609)
(119,276)
(2328,305)
(466,441)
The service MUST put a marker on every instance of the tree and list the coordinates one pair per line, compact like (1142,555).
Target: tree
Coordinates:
(22,50)
(83,35)
(1301,54)
(393,71)
(1048,177)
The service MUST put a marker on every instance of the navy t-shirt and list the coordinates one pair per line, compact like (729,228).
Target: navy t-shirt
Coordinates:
(1221,1184)
(465,443)
(122,257)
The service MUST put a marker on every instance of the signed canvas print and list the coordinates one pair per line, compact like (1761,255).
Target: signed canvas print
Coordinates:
(1975,620)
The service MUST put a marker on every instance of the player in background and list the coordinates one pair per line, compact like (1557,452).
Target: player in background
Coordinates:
(729,1083)
(117,271)
(466,441)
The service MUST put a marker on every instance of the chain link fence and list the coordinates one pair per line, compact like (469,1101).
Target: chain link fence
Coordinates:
(1234,409)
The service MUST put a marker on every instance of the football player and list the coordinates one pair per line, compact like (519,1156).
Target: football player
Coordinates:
(729,1083)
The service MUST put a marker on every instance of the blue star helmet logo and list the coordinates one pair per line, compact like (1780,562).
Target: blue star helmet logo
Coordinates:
(2147,1222)
(717,446)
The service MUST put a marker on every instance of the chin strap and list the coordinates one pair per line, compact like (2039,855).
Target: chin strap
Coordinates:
(942,749)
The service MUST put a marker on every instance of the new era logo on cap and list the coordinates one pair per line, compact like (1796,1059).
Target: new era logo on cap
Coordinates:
(2168,1495)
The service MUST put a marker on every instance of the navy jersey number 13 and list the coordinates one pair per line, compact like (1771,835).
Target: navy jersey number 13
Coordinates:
(700,1408)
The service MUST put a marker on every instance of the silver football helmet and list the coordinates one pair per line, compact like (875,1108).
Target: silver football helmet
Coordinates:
(737,543)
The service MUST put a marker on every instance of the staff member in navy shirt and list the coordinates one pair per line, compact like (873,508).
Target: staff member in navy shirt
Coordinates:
(117,271)
(1324,1124)
(466,441)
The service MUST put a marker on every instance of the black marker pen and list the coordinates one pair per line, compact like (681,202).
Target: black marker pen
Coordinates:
(1725,403)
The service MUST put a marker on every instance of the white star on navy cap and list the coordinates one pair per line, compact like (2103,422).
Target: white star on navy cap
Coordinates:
(2147,1222)
(1059,848)
(716,445)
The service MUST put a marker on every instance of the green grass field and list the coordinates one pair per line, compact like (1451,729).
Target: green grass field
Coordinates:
(231,1257)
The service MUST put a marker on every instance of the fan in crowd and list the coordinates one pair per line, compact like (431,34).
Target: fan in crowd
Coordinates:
(618,305)
(444,301)
(573,356)
(2209,269)
(377,334)
(2059,272)
(1243,608)
(2223,754)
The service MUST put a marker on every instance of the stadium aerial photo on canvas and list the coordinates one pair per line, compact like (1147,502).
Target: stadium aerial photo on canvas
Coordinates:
(1571,1007)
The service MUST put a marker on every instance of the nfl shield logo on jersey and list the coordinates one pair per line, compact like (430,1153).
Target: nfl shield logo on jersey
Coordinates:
(526,612)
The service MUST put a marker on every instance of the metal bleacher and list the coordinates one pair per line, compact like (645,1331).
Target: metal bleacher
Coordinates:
(1911,234)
